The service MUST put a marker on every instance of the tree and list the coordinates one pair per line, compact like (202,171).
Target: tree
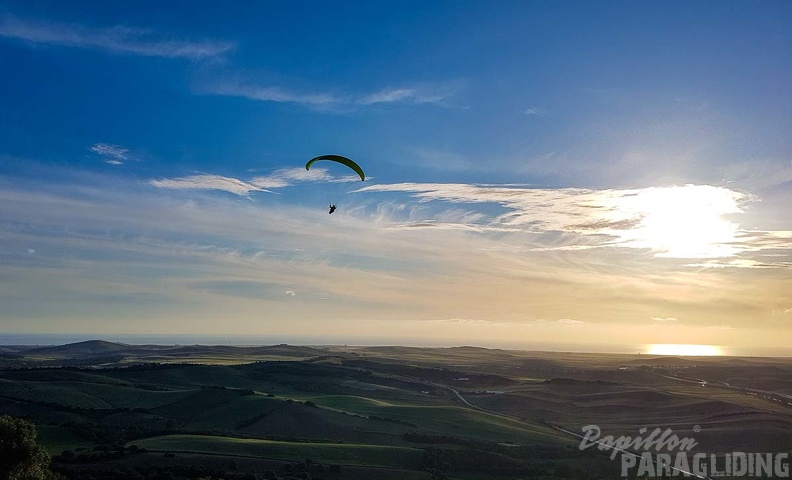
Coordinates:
(21,458)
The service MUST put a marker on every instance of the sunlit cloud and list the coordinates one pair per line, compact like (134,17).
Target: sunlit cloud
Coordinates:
(462,321)
(570,321)
(692,221)
(116,39)
(688,222)
(666,319)
(732,263)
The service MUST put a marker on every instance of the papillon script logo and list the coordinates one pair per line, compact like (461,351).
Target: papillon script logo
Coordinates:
(638,457)
(658,440)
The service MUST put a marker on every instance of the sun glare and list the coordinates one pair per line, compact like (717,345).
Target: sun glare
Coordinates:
(682,222)
(684,350)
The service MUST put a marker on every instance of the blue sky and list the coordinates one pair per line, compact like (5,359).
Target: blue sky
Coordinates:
(593,171)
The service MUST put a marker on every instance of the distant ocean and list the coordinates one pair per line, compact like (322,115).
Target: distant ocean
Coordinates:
(40,339)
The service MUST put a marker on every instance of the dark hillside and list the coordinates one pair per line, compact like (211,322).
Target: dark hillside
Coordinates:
(79,349)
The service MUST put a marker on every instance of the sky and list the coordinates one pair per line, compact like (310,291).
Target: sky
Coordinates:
(584,175)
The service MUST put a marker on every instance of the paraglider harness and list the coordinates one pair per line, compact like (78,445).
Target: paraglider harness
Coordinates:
(332,208)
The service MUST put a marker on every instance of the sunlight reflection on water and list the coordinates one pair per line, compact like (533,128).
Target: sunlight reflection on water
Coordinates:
(683,349)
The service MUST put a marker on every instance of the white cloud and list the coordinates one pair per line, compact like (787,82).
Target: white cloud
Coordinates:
(208,182)
(666,319)
(278,179)
(116,39)
(449,226)
(328,101)
(289,176)
(402,95)
(533,111)
(275,94)
(117,154)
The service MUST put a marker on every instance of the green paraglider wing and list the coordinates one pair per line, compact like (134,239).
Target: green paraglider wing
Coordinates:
(339,159)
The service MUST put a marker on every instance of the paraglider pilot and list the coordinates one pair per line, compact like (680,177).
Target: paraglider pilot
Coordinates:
(343,161)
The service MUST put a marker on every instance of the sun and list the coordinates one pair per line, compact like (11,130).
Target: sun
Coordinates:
(684,350)
(682,222)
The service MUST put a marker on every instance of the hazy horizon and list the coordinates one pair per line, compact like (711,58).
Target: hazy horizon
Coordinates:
(296,340)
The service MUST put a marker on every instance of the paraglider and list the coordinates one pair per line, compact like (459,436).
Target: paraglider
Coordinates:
(343,161)
(339,159)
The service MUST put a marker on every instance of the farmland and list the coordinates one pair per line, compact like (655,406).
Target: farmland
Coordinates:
(106,410)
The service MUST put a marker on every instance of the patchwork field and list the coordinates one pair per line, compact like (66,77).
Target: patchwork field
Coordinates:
(410,412)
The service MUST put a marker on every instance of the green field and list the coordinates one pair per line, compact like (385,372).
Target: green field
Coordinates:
(342,453)
(57,439)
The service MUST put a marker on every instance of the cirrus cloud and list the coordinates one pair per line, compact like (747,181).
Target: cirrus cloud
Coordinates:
(114,154)
(116,39)
(329,101)
(208,182)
